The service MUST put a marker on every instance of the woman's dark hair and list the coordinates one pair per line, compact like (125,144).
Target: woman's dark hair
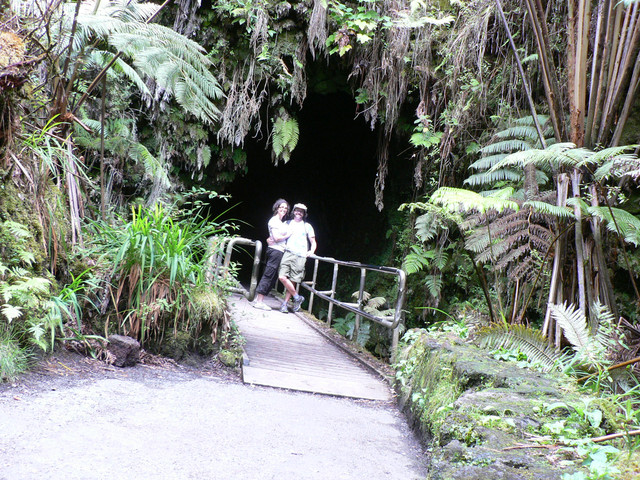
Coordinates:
(278,203)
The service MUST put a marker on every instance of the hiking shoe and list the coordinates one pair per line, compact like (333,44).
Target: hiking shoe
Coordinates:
(297,301)
(283,308)
(261,306)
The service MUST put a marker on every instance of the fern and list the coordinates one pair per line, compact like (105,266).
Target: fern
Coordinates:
(434,284)
(416,260)
(10,312)
(461,200)
(627,223)
(549,209)
(573,324)
(590,346)
(285,137)
(177,65)
(519,337)
(427,226)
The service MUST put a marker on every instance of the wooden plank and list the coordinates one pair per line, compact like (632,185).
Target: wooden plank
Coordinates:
(307,383)
(282,351)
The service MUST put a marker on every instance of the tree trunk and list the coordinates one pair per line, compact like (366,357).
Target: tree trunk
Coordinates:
(555,289)
(576,176)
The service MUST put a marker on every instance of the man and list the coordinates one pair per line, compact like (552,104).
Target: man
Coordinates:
(300,244)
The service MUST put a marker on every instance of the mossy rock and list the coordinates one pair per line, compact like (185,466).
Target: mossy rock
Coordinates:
(476,412)
(229,358)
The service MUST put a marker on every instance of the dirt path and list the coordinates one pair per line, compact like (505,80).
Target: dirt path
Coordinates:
(76,418)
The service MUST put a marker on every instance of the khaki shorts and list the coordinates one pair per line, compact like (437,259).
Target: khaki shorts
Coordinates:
(292,267)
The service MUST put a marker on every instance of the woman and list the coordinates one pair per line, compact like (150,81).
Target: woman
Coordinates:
(278,234)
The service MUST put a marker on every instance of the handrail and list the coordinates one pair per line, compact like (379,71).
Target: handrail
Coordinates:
(388,321)
(217,266)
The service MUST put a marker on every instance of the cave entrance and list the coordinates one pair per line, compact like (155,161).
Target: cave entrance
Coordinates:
(332,171)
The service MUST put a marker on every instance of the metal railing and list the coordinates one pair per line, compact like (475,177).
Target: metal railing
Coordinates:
(219,265)
(392,322)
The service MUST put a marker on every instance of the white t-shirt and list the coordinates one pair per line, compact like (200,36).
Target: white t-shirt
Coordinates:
(277,227)
(298,241)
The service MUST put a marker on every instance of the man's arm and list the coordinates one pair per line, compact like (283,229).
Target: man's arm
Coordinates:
(313,246)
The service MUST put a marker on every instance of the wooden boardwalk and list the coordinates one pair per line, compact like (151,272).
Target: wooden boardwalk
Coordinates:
(283,351)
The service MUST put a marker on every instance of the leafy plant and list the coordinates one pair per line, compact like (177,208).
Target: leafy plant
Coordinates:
(520,338)
(157,260)
(285,137)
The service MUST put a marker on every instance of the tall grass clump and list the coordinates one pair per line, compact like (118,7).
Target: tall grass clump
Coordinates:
(156,262)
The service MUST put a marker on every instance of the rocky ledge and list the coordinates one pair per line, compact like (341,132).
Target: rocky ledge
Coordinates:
(487,419)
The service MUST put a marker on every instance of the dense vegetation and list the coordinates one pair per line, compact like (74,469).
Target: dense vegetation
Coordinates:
(521,120)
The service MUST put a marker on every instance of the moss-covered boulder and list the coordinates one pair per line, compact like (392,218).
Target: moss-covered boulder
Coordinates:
(484,418)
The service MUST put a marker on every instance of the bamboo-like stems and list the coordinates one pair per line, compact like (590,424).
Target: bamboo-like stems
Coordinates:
(555,290)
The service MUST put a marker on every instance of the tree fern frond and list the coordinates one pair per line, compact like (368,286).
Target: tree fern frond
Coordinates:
(519,337)
(427,226)
(491,177)
(549,209)
(101,58)
(154,170)
(627,223)
(458,199)
(440,258)
(506,146)
(487,162)
(604,155)
(572,322)
(528,132)
(579,201)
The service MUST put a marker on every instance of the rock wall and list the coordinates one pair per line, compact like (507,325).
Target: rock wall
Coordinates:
(484,418)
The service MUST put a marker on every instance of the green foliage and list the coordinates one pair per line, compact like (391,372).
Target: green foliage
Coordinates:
(520,338)
(285,137)
(13,358)
(120,140)
(157,260)
(593,346)
(520,136)
(461,200)
(177,65)
(346,325)
(355,26)
(24,296)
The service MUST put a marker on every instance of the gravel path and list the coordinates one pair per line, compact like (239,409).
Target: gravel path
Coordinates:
(76,418)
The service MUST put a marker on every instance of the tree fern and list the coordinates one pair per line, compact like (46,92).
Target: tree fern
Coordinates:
(522,135)
(461,200)
(177,65)
(626,224)
(519,337)
(550,209)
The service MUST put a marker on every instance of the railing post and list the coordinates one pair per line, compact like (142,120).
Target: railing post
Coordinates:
(334,281)
(313,282)
(356,328)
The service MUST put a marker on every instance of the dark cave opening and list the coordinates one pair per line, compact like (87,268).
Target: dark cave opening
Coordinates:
(332,170)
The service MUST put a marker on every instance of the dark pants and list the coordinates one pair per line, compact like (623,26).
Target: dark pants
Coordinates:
(270,274)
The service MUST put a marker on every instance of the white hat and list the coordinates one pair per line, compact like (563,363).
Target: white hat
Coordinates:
(301,206)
